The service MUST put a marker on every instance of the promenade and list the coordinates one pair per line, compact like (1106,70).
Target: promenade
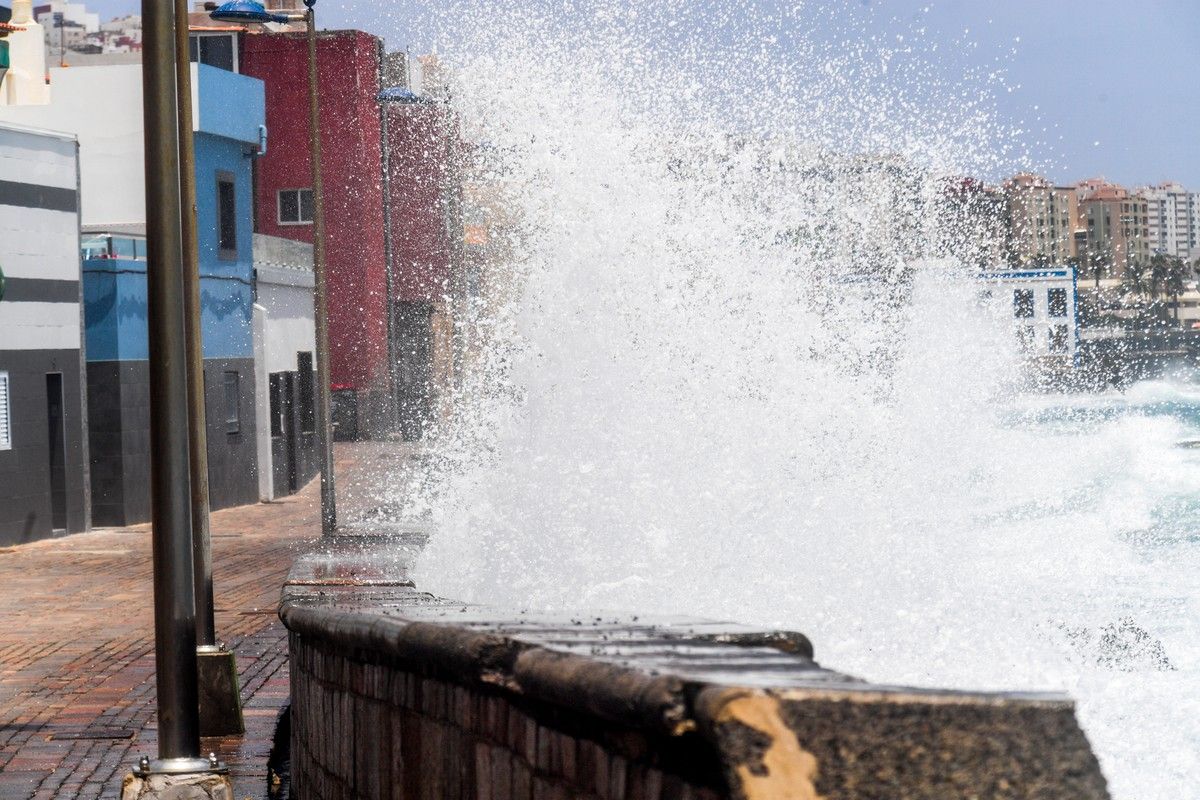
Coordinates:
(77,649)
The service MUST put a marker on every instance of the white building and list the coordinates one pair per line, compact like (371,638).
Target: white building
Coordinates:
(1042,303)
(284,347)
(1174,219)
(72,14)
(44,486)
(110,137)
(25,82)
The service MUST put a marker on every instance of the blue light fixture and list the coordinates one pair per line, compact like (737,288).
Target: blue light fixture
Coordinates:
(245,11)
(399,94)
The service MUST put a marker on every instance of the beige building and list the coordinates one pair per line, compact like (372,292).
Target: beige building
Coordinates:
(1042,219)
(1116,225)
(972,223)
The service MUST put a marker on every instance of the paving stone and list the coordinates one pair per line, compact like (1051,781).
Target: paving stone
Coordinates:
(77,648)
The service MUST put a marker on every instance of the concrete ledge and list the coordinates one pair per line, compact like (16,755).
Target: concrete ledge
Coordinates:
(393,687)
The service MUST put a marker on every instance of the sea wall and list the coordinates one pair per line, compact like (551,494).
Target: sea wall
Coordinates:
(399,694)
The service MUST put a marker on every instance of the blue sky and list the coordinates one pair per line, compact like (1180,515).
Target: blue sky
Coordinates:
(1117,80)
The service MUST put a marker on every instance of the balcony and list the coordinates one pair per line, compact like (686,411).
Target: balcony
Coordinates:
(227,104)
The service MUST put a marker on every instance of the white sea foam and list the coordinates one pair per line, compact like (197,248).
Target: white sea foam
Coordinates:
(726,367)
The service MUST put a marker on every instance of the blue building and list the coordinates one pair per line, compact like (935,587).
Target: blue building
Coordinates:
(228,112)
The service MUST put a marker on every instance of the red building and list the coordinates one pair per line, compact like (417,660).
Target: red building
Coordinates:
(388,357)
(422,189)
(351,160)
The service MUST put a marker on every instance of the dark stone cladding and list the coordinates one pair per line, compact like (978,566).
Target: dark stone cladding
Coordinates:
(393,687)
(36,290)
(32,195)
(25,513)
(119,436)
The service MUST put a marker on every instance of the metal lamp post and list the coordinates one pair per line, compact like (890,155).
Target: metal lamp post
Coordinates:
(242,11)
(174,593)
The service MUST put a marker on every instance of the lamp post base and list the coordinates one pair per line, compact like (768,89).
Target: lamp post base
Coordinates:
(220,700)
(177,779)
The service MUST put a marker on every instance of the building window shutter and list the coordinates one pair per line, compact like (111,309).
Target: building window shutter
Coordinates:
(5,414)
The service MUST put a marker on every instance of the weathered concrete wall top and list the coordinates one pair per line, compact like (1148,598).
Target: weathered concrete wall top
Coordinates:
(777,724)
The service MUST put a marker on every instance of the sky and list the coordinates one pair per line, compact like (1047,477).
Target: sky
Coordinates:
(1115,84)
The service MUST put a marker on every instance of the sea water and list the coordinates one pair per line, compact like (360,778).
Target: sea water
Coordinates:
(725,360)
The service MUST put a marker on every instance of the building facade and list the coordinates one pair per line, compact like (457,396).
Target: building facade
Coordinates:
(1043,306)
(284,355)
(228,116)
(350,65)
(25,81)
(423,196)
(972,223)
(1042,220)
(43,446)
(1173,220)
(1116,226)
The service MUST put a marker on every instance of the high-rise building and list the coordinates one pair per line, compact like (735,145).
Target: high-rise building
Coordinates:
(1042,219)
(973,223)
(1116,225)
(1173,223)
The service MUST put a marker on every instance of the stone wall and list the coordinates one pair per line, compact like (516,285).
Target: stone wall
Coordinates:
(399,694)
(364,729)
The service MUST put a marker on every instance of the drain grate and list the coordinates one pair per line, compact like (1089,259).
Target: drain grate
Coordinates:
(92,733)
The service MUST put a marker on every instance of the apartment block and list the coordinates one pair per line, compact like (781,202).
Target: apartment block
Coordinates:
(1116,224)
(1042,219)
(1173,219)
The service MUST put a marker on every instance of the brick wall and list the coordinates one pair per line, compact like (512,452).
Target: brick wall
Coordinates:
(365,729)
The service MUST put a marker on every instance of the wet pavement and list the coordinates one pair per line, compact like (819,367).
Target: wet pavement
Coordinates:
(77,649)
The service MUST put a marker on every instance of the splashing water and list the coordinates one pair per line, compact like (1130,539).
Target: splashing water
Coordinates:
(726,363)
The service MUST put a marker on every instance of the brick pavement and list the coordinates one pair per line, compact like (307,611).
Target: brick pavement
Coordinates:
(77,649)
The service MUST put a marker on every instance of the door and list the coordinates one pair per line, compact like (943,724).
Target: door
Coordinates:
(57,453)
(289,423)
(283,434)
(414,367)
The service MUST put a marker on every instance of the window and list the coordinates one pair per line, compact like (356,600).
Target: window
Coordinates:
(1025,336)
(305,386)
(226,217)
(1058,339)
(1056,300)
(1023,303)
(295,206)
(215,51)
(233,416)
(5,414)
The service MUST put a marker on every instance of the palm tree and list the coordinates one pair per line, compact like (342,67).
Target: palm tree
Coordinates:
(1176,281)
(1158,274)
(1075,263)
(1098,262)
(1135,278)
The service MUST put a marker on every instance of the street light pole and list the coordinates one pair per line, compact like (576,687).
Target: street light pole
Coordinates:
(174,597)
(243,11)
(320,305)
(206,635)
